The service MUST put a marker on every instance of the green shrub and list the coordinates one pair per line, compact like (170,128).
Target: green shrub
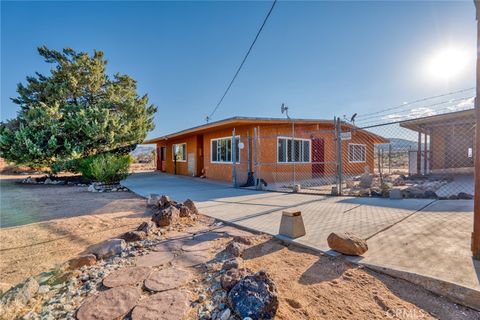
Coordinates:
(107,168)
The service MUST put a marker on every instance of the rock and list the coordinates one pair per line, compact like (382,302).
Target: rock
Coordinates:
(235,249)
(234,263)
(110,304)
(153,200)
(166,217)
(254,296)
(243,240)
(365,180)
(108,248)
(184,211)
(21,293)
(43,289)
(464,196)
(166,305)
(192,259)
(127,276)
(347,243)
(155,259)
(167,279)
(48,181)
(230,278)
(165,201)
(80,261)
(131,236)
(225,315)
(430,194)
(147,226)
(191,206)
(350,184)
(91,188)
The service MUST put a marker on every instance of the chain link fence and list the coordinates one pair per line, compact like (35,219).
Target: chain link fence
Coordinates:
(423,157)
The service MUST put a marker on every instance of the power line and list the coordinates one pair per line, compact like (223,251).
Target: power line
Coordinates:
(243,61)
(368,115)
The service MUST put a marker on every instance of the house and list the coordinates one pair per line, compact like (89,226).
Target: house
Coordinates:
(448,140)
(269,147)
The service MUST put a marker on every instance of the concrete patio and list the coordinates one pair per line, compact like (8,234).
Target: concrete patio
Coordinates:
(413,237)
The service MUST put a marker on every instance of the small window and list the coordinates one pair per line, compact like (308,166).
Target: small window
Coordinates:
(179,152)
(293,150)
(222,150)
(357,152)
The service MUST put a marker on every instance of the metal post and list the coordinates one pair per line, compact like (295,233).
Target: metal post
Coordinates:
(419,153)
(255,157)
(476,215)
(234,157)
(339,156)
(293,153)
(425,152)
(389,158)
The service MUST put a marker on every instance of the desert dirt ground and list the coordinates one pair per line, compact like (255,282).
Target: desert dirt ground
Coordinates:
(48,224)
(310,285)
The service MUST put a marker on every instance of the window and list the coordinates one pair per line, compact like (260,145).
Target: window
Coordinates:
(221,150)
(470,152)
(293,150)
(179,152)
(357,152)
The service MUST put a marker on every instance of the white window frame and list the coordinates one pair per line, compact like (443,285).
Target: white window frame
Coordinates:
(286,158)
(357,161)
(173,151)
(224,138)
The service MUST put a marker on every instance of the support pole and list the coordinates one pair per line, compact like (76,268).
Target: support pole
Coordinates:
(419,153)
(476,214)
(234,157)
(425,153)
(338,125)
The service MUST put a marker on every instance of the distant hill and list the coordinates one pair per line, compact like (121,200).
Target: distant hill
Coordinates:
(399,145)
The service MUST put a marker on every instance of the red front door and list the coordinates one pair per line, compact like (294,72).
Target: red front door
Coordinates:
(318,157)
(162,157)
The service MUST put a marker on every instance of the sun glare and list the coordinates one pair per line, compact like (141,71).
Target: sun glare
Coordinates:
(447,63)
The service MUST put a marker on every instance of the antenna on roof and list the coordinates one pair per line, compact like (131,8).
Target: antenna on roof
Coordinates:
(284,109)
(352,119)
(207,118)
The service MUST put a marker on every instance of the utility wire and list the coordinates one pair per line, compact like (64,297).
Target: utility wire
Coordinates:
(369,115)
(243,61)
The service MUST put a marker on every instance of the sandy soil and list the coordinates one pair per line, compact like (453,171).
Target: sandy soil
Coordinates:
(72,219)
(310,285)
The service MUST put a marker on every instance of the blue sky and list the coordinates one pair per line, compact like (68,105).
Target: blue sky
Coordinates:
(321,58)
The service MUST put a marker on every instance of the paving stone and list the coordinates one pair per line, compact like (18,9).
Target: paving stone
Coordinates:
(191,259)
(197,229)
(155,259)
(166,279)
(167,305)
(127,276)
(232,231)
(194,245)
(110,304)
(169,245)
(178,235)
(209,236)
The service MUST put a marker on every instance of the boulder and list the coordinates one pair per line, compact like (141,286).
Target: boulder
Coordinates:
(153,200)
(347,243)
(166,217)
(396,193)
(234,263)
(230,278)
(21,294)
(184,211)
(165,201)
(108,248)
(365,180)
(254,296)
(131,236)
(191,206)
(235,249)
(80,261)
(147,226)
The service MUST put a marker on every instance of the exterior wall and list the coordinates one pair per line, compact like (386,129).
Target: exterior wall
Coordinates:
(449,147)
(266,153)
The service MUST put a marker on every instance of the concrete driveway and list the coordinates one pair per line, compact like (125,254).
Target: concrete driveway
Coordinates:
(418,236)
